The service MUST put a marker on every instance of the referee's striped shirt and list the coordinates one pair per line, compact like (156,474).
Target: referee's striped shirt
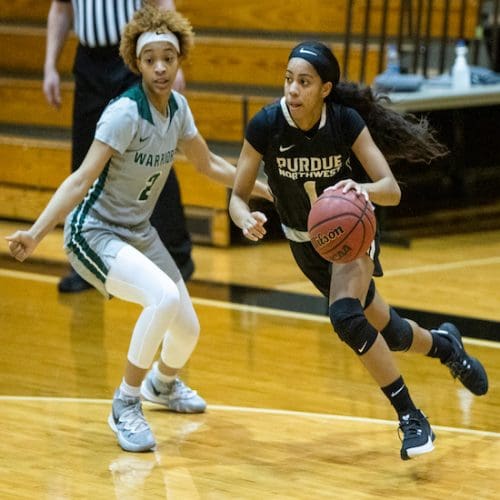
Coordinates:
(99,23)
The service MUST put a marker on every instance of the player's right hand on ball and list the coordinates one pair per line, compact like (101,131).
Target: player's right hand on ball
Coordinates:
(253,227)
(21,245)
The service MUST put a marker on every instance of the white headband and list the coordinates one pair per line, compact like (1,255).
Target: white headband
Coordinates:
(151,36)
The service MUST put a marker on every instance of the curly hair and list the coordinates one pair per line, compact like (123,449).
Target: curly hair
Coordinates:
(150,18)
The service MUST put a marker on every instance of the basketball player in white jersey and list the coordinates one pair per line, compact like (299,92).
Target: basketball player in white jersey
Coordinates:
(99,75)
(107,203)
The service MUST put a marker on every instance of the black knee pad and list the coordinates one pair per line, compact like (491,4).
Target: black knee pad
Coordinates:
(398,333)
(370,295)
(351,325)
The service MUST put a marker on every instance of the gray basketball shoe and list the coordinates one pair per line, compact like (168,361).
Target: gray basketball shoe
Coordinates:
(128,423)
(175,396)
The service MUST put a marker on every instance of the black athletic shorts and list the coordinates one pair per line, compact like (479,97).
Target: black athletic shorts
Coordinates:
(318,270)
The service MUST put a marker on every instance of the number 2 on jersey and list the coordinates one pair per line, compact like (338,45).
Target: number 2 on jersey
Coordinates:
(144,194)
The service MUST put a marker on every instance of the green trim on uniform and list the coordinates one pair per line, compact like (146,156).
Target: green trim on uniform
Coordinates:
(136,93)
(88,257)
(77,243)
(172,106)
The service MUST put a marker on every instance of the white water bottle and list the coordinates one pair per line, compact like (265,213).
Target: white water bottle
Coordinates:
(460,72)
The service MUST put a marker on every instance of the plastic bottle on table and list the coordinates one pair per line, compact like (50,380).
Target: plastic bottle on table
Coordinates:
(460,72)
(392,60)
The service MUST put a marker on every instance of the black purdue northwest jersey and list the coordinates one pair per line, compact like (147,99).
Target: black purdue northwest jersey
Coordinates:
(299,165)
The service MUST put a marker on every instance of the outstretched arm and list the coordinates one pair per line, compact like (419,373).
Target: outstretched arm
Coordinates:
(67,196)
(216,167)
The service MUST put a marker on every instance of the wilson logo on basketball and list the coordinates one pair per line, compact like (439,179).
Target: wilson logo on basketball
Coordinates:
(322,239)
(341,225)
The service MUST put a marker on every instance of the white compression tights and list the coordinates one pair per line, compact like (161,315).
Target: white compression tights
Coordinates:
(168,313)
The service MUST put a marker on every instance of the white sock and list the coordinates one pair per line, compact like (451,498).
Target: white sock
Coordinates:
(161,377)
(129,391)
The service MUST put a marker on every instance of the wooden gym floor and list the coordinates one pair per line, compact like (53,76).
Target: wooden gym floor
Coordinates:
(292,413)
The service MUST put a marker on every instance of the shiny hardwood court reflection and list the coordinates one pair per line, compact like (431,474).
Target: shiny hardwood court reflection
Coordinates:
(235,453)
(292,413)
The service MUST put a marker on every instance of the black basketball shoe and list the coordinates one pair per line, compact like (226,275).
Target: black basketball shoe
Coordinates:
(417,434)
(462,366)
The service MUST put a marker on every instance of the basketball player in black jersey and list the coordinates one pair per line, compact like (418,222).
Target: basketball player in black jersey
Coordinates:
(321,134)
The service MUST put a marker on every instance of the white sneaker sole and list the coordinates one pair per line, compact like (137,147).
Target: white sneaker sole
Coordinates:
(420,450)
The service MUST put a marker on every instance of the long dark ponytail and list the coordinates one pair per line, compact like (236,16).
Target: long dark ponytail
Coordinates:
(400,136)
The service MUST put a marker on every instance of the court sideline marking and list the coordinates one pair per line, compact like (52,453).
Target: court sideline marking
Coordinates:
(247,409)
(445,266)
(428,268)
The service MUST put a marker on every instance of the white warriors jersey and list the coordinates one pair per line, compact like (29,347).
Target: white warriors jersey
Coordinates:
(127,190)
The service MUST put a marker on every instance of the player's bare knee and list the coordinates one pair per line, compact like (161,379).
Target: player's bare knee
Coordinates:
(350,323)
(398,333)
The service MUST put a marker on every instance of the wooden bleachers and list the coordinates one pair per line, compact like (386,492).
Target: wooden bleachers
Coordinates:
(249,58)
(318,17)
(242,61)
(321,17)
(34,166)
(236,67)
(219,116)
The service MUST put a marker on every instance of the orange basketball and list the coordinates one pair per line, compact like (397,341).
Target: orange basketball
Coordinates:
(341,226)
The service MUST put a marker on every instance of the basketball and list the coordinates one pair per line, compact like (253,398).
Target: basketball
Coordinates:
(341,225)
